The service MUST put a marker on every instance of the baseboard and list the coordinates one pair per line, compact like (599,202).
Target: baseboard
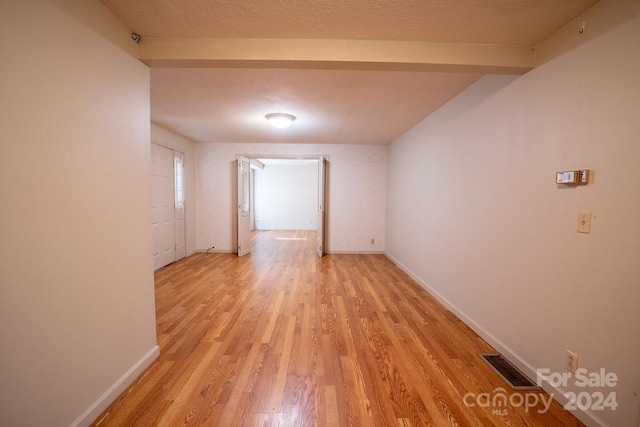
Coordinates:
(587,417)
(223,251)
(116,389)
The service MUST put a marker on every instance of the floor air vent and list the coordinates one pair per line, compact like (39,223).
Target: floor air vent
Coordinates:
(512,375)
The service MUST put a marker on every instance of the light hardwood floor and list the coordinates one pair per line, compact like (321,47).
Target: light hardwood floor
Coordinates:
(282,338)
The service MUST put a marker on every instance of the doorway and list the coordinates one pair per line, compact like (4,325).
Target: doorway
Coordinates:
(280,193)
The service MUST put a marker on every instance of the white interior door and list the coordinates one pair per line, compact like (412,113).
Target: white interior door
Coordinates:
(162,206)
(321,204)
(178,168)
(244,206)
(252,195)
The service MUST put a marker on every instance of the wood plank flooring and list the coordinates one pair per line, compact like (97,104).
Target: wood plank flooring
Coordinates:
(282,338)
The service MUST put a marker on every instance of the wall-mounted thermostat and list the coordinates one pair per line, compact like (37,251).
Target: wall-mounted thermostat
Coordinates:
(577,177)
(567,177)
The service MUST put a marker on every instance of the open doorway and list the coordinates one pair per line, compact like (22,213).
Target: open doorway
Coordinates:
(286,195)
(283,194)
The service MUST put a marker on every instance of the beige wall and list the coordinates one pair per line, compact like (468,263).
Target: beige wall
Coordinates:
(286,196)
(184,145)
(356,192)
(474,212)
(77,314)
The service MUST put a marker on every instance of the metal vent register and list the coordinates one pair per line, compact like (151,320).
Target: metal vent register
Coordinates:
(512,375)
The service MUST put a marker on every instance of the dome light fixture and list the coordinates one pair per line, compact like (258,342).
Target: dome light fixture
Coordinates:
(280,120)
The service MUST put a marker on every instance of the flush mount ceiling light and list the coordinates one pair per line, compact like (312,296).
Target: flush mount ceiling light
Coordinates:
(280,120)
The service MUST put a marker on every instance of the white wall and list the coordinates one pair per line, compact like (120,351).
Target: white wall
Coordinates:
(356,192)
(474,212)
(184,145)
(286,197)
(76,286)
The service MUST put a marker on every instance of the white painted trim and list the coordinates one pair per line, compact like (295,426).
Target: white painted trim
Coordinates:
(230,251)
(587,417)
(116,389)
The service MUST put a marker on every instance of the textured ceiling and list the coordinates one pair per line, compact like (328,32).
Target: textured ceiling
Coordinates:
(331,106)
(216,101)
(511,22)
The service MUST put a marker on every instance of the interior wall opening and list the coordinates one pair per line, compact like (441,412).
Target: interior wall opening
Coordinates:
(283,193)
(286,195)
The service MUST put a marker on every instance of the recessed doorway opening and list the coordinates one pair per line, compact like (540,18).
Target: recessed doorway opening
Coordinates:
(281,193)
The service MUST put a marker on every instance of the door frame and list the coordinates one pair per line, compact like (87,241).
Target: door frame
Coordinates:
(321,248)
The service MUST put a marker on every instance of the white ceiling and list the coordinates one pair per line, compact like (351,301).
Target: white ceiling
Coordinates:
(516,22)
(331,106)
(225,101)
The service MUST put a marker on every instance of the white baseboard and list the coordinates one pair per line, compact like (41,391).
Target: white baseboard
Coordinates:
(587,417)
(116,389)
(230,251)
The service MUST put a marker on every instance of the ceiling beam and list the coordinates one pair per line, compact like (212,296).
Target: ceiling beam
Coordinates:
(335,54)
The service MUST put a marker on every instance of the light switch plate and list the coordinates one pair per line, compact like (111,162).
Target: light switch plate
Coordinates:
(584,176)
(584,222)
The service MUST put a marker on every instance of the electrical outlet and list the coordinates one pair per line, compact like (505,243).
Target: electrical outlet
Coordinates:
(373,241)
(571,361)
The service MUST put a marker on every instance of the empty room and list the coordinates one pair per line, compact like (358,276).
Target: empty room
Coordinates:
(329,213)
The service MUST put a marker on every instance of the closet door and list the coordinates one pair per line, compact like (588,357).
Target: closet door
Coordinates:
(162,206)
